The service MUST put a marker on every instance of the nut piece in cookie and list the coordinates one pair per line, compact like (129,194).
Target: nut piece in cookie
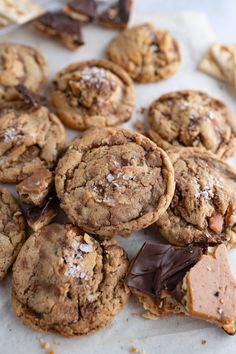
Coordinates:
(192,119)
(63,26)
(184,280)
(114,181)
(117,15)
(35,188)
(20,64)
(82,10)
(93,93)
(12,230)
(79,282)
(146,53)
(203,209)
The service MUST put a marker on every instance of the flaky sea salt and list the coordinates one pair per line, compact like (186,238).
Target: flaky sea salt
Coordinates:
(84,247)
(110,177)
(74,245)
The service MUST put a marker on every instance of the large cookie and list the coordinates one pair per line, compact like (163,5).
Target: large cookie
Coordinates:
(114,181)
(192,119)
(203,209)
(12,230)
(146,53)
(66,282)
(93,93)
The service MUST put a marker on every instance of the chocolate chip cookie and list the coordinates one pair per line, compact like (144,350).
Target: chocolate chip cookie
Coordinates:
(12,230)
(114,181)
(203,209)
(194,119)
(20,64)
(146,53)
(65,281)
(93,93)
(30,138)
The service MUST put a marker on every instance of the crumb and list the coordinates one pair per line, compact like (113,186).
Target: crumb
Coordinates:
(141,110)
(142,352)
(57,342)
(133,350)
(204,341)
(43,344)
(139,126)
(51,352)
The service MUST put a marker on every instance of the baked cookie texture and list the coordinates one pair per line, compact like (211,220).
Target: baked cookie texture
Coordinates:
(12,230)
(20,64)
(203,209)
(30,138)
(114,181)
(146,53)
(65,281)
(192,119)
(93,93)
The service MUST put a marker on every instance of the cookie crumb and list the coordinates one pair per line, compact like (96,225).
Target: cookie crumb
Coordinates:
(133,350)
(204,341)
(141,110)
(139,126)
(44,344)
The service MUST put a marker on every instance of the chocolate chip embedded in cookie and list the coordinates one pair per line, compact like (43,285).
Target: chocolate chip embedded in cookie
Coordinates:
(117,15)
(146,53)
(94,93)
(12,230)
(83,10)
(20,64)
(203,209)
(114,181)
(30,139)
(192,119)
(65,281)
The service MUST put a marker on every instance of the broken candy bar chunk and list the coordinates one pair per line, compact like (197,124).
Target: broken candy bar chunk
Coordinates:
(117,15)
(83,10)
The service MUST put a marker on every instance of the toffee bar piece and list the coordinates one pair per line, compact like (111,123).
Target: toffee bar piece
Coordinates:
(31,98)
(117,15)
(63,26)
(173,280)
(83,10)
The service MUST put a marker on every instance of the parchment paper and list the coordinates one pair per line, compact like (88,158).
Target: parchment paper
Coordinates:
(167,335)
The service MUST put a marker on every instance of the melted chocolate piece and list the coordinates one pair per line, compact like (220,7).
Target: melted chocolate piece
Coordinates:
(31,98)
(33,213)
(118,13)
(161,267)
(84,7)
(62,23)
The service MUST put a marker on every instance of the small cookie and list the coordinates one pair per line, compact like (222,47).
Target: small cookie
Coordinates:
(192,119)
(62,26)
(182,280)
(117,15)
(30,138)
(64,281)
(114,181)
(20,64)
(93,93)
(20,11)
(203,209)
(146,53)
(82,10)
(12,230)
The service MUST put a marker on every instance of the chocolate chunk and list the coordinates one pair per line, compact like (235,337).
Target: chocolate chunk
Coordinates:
(84,7)
(161,267)
(116,15)
(31,98)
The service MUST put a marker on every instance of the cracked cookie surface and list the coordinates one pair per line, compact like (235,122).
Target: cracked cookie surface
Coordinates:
(93,93)
(114,181)
(65,281)
(146,53)
(203,209)
(12,230)
(192,119)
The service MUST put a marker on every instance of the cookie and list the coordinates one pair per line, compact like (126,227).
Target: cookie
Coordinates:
(82,10)
(192,119)
(20,11)
(93,93)
(12,230)
(146,53)
(30,138)
(20,64)
(114,181)
(65,281)
(203,209)
(183,280)
(58,24)
(117,15)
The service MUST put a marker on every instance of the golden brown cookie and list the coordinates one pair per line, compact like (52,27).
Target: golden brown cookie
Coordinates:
(65,281)
(114,181)
(93,93)
(203,209)
(146,53)
(12,230)
(20,64)
(192,119)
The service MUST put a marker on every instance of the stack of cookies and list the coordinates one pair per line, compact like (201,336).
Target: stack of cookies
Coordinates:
(73,278)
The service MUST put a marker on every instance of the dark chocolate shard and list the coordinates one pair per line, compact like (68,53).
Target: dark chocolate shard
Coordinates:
(117,15)
(33,213)
(160,267)
(62,24)
(31,98)
(84,7)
